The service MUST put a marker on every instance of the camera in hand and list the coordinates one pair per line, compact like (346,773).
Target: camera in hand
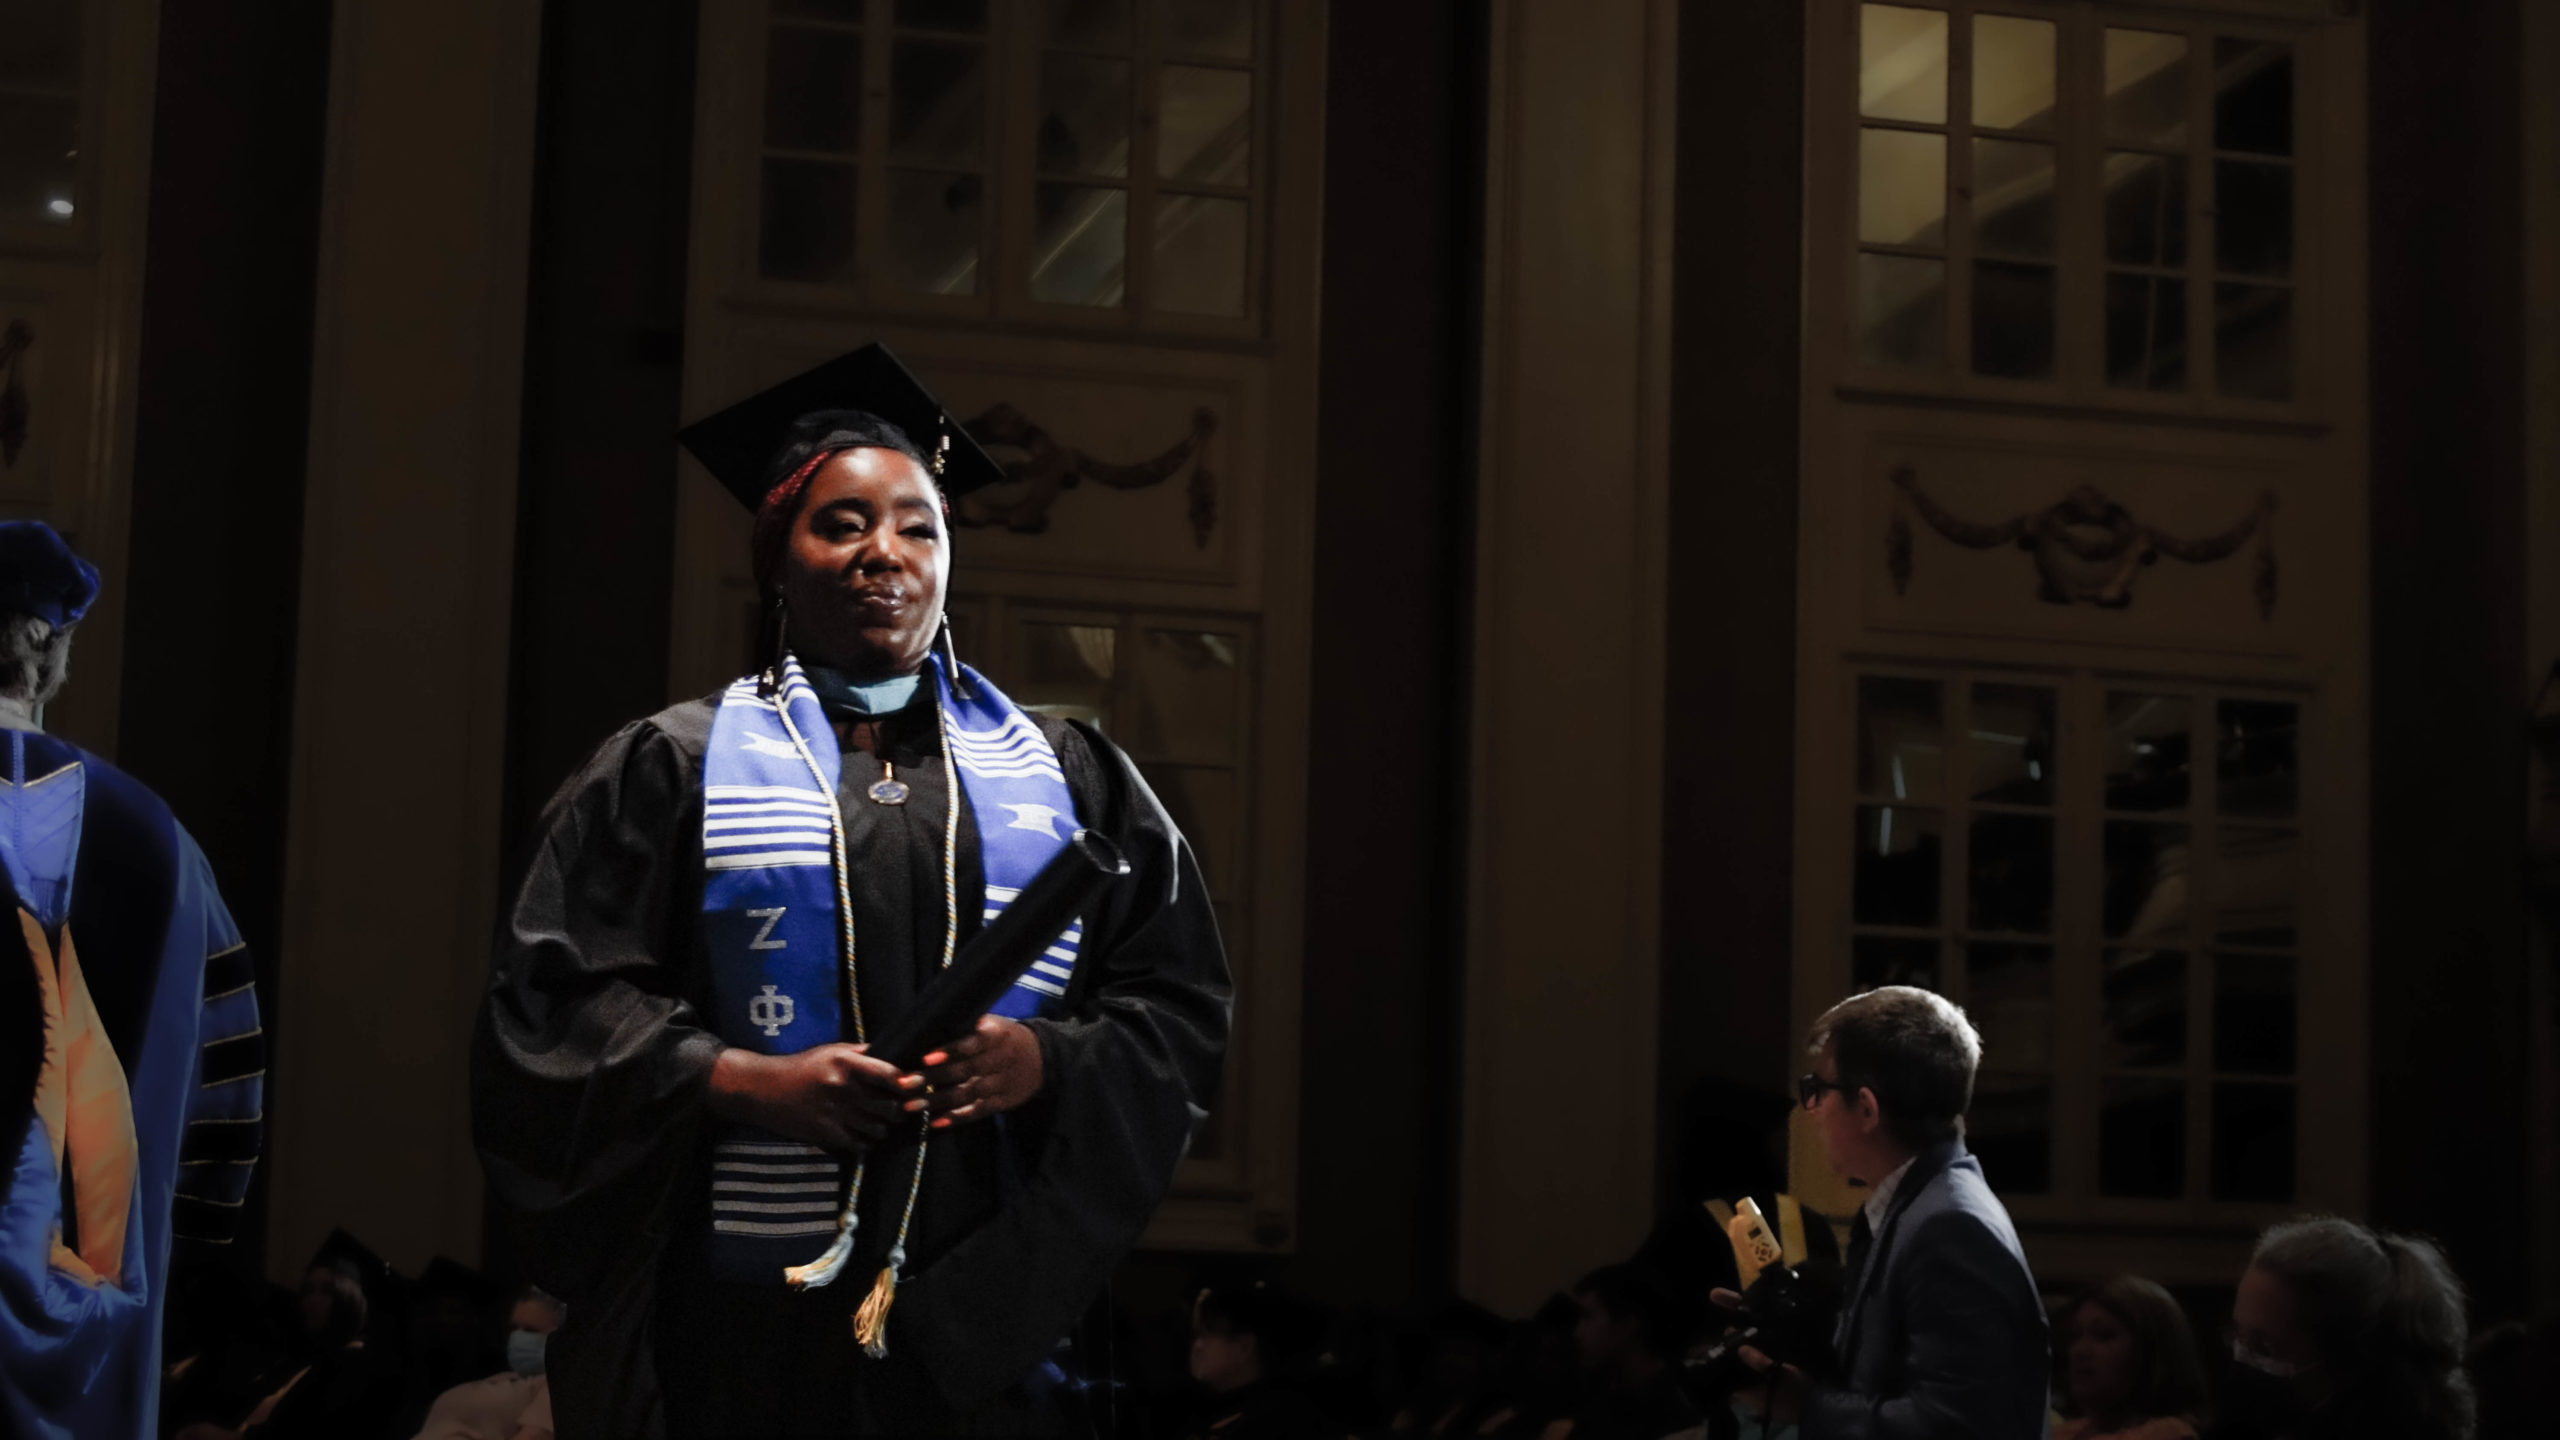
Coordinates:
(1783,1316)
(1786,1314)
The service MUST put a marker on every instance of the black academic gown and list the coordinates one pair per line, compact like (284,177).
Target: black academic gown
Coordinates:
(592,1059)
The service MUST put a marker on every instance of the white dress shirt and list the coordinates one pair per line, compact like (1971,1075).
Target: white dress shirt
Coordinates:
(1880,1197)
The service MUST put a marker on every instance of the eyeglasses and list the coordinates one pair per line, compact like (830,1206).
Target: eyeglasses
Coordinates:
(1809,1088)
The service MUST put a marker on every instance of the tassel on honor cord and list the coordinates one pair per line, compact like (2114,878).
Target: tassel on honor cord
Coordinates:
(871,1322)
(825,1269)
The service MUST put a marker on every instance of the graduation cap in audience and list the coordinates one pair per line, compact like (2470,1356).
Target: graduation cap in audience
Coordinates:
(387,1290)
(757,443)
(371,1268)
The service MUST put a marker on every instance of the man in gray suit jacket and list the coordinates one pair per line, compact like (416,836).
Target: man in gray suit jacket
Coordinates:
(1941,1332)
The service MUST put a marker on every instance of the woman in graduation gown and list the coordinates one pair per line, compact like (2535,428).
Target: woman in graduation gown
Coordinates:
(670,1089)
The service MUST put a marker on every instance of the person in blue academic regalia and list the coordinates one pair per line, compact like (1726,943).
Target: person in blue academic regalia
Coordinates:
(130,1035)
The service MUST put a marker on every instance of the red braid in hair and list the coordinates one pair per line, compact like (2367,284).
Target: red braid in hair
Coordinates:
(773,519)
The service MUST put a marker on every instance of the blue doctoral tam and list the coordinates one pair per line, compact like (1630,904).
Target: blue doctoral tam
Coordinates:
(40,576)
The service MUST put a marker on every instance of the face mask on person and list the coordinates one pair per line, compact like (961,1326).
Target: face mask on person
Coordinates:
(524,1351)
(2261,1396)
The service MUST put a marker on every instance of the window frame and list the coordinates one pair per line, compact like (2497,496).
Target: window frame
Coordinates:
(83,235)
(1015,49)
(997,617)
(2079,383)
(2328,1062)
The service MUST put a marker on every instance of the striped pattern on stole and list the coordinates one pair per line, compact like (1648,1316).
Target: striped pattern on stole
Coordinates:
(780,953)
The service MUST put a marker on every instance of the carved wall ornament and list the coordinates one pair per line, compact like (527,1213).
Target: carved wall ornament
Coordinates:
(1048,469)
(2086,547)
(14,343)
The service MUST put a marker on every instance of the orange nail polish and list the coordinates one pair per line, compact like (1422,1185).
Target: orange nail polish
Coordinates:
(936,1058)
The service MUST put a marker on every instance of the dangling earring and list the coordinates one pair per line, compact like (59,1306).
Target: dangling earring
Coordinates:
(774,643)
(960,685)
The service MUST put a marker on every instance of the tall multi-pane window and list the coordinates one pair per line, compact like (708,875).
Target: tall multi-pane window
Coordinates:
(938,146)
(2045,195)
(863,118)
(1902,185)
(40,102)
(2107,877)
(2147,187)
(2252,219)
(1958,155)
(1954,884)
(1080,153)
(2081,651)
(1118,179)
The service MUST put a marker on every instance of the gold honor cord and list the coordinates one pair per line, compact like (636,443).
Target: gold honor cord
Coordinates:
(87,1113)
(871,1321)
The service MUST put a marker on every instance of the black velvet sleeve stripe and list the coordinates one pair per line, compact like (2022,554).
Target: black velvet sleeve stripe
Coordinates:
(227,1140)
(210,1176)
(228,971)
(236,1058)
(203,1221)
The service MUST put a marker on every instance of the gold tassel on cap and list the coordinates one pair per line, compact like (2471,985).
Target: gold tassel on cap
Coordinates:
(871,1322)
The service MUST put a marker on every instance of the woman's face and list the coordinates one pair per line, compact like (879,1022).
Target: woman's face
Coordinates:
(319,1299)
(2101,1359)
(1224,1361)
(2266,1321)
(865,566)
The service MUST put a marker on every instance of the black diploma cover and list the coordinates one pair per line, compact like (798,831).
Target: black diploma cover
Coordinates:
(981,973)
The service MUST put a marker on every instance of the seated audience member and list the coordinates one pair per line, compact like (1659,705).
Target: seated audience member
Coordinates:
(1532,1380)
(495,1407)
(2345,1333)
(1349,1369)
(1629,1337)
(458,1334)
(342,1393)
(224,1350)
(2132,1372)
(1460,1374)
(1241,1340)
(1539,1380)
(1941,1330)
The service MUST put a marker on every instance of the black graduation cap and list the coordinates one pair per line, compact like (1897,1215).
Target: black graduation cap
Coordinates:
(755,444)
(342,1246)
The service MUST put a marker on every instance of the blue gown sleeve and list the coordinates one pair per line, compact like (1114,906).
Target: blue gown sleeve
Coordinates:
(226,1111)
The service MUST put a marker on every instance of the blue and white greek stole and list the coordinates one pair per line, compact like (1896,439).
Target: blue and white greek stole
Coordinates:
(780,939)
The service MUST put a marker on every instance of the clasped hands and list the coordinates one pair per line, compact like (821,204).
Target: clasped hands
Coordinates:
(839,1098)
